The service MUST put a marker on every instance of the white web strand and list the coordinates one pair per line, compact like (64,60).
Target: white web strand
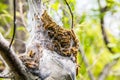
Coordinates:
(51,61)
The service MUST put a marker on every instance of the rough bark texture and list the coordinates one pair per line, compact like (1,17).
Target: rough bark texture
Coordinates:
(18,70)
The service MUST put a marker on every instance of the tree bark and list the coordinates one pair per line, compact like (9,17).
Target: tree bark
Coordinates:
(18,70)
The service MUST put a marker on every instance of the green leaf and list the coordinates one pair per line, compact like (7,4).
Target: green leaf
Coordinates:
(3,7)
(21,28)
(55,6)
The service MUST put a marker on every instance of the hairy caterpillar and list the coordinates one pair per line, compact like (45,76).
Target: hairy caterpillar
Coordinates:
(65,41)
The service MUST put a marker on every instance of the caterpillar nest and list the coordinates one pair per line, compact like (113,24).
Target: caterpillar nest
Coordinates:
(52,37)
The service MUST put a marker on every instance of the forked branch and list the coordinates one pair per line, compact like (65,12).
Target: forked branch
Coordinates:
(105,37)
(12,60)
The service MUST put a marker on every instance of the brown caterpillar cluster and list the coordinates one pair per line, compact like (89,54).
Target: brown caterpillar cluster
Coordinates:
(31,59)
(64,41)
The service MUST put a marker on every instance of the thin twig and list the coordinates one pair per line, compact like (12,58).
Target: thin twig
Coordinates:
(14,17)
(70,13)
(86,63)
(105,37)
(107,68)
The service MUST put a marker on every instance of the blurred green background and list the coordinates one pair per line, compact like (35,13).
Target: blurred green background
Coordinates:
(96,61)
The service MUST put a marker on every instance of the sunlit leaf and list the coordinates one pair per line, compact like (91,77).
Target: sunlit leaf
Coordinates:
(21,28)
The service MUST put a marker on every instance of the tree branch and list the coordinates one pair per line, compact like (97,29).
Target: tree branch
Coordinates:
(105,37)
(14,27)
(106,69)
(108,66)
(86,63)
(12,60)
(70,13)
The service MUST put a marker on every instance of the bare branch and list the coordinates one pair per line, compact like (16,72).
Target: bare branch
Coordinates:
(105,37)
(14,17)
(70,13)
(86,63)
(13,61)
(108,66)
(106,69)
